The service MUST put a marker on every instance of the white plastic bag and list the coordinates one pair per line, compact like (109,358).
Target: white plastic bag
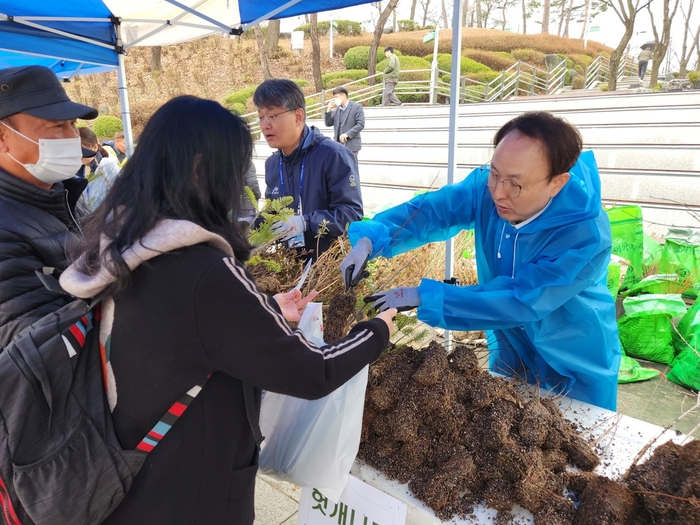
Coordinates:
(313,443)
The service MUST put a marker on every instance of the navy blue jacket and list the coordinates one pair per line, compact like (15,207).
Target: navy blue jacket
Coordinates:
(330,188)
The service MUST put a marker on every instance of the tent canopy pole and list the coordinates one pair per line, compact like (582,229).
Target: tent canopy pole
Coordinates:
(452,146)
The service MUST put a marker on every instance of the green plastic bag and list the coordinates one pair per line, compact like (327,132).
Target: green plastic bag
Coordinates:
(613,281)
(687,332)
(681,255)
(666,283)
(646,326)
(631,371)
(651,255)
(628,240)
(686,369)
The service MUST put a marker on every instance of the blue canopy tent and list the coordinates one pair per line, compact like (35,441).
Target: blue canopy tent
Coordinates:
(89,36)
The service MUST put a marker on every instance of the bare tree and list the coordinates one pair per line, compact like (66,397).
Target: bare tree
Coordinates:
(465,10)
(155,59)
(569,12)
(272,37)
(316,53)
(661,44)
(413,10)
(261,50)
(376,36)
(502,6)
(525,17)
(445,24)
(479,14)
(585,19)
(545,16)
(562,12)
(687,51)
(626,11)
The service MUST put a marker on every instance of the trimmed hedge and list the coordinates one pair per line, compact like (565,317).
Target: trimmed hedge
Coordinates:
(241,96)
(331,79)
(536,58)
(358,57)
(467,65)
(409,63)
(495,61)
(484,76)
(581,60)
(237,108)
(106,126)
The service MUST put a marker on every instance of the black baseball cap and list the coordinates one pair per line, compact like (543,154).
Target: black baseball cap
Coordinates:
(36,91)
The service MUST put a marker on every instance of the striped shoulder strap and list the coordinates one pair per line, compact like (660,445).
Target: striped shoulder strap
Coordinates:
(156,434)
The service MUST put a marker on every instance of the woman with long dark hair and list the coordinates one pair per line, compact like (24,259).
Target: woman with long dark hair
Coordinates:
(181,310)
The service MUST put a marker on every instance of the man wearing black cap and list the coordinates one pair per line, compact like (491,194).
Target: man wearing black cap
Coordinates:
(39,154)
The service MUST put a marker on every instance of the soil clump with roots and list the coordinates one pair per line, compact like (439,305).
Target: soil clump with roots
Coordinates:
(459,436)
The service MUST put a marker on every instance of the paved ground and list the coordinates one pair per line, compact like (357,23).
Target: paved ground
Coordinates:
(657,401)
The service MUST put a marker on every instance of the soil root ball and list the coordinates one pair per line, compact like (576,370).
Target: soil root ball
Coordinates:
(463,359)
(434,365)
(458,436)
(535,423)
(671,470)
(580,453)
(605,502)
(555,510)
(444,486)
(386,393)
(336,324)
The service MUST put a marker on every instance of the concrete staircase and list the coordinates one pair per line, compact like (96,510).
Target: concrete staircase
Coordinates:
(647,147)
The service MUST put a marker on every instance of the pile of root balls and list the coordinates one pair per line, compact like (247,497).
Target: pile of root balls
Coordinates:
(459,436)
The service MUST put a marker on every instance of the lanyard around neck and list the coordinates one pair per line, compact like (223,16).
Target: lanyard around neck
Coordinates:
(301,178)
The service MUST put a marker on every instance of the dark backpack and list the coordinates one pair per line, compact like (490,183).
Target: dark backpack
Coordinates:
(60,460)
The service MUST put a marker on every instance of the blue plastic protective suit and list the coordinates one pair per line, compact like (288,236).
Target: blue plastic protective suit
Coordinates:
(542,288)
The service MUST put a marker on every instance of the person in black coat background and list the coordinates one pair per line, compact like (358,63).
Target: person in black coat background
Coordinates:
(347,118)
(39,154)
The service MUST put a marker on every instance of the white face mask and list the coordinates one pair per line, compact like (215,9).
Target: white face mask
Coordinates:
(59,159)
(338,102)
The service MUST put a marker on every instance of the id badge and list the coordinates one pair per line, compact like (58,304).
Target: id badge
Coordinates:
(298,240)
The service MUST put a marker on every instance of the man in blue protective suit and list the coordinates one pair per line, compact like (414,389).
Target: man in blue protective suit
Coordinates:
(542,248)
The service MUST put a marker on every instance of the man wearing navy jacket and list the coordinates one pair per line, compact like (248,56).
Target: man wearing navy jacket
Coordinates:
(318,173)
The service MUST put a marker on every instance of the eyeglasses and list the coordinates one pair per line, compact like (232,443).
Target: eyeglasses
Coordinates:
(511,188)
(271,118)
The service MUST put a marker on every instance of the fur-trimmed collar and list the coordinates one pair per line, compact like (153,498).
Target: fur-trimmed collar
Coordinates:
(168,235)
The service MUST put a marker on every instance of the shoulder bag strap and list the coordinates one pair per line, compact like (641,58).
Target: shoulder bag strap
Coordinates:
(178,408)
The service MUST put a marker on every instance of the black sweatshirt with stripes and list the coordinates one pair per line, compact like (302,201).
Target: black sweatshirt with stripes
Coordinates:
(187,314)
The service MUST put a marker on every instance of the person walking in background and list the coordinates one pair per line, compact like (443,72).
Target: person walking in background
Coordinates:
(318,173)
(391,78)
(39,156)
(347,118)
(180,307)
(643,61)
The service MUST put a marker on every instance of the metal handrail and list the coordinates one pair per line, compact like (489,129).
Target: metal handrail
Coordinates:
(599,70)
(519,79)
